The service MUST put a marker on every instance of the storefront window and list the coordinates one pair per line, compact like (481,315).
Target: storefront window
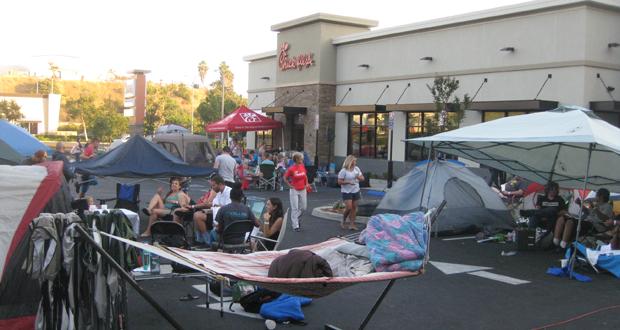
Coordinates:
(264,138)
(415,128)
(492,115)
(368,135)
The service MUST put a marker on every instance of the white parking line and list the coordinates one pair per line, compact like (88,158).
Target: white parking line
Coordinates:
(500,278)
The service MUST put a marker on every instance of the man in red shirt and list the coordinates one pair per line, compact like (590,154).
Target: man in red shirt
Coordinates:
(87,180)
(297,179)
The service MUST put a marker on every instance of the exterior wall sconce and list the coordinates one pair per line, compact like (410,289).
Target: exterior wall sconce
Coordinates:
(365,66)
(265,78)
(507,49)
(613,45)
(426,58)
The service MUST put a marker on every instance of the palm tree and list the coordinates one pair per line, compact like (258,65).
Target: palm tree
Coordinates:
(202,71)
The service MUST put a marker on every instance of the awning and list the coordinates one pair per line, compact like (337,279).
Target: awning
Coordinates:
(412,107)
(605,106)
(358,108)
(514,105)
(286,110)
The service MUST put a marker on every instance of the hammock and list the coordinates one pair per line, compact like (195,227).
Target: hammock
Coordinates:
(253,268)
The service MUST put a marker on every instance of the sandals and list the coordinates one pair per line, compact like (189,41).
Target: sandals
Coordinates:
(146,211)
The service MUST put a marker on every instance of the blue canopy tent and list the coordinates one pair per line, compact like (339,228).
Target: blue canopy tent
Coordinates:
(16,144)
(140,158)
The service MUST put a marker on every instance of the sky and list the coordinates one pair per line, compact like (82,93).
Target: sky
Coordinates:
(170,38)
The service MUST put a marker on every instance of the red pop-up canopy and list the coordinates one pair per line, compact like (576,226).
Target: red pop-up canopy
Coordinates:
(242,120)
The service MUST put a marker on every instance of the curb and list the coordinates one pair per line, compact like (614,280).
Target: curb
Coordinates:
(317,212)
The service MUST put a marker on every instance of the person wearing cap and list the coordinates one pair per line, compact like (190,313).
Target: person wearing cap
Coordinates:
(226,165)
(233,212)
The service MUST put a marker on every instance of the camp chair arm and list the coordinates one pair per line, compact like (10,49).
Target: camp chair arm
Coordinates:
(264,238)
(105,200)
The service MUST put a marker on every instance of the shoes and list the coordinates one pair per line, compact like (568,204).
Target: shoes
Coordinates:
(298,229)
(146,211)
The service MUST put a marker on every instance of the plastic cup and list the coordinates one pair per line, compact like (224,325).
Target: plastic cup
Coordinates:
(104,206)
(270,324)
(92,208)
(564,263)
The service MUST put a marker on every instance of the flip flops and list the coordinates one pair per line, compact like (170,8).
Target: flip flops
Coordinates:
(146,211)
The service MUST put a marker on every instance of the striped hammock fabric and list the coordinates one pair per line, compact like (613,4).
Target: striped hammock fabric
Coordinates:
(254,267)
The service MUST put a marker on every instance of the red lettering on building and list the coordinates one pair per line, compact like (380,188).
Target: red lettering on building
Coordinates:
(296,62)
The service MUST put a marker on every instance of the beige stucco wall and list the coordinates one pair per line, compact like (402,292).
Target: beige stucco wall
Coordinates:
(42,109)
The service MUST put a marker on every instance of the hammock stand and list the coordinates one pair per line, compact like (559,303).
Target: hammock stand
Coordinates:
(226,270)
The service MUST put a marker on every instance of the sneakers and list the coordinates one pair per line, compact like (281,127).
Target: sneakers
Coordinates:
(298,229)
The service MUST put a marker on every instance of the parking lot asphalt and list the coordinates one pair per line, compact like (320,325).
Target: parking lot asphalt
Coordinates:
(495,291)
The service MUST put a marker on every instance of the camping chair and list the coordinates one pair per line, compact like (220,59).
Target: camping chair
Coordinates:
(169,234)
(268,177)
(261,240)
(234,238)
(311,173)
(127,197)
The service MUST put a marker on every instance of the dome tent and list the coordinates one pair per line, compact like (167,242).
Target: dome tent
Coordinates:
(471,204)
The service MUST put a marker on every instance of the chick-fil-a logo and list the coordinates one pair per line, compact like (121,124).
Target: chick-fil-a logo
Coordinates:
(299,62)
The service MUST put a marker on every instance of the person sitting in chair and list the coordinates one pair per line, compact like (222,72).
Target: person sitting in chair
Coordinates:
(218,196)
(598,216)
(549,208)
(272,223)
(232,212)
(161,206)
(514,189)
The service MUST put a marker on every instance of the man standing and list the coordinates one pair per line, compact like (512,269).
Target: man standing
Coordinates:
(225,165)
(87,180)
(59,154)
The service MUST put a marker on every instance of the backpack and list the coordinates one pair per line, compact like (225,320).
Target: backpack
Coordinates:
(252,302)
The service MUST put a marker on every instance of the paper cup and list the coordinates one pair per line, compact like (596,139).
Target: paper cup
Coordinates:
(564,263)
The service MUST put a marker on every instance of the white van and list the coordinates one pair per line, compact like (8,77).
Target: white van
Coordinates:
(192,148)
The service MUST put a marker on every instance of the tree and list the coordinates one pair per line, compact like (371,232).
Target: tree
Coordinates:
(209,109)
(163,106)
(103,121)
(81,109)
(203,68)
(10,111)
(449,110)
(228,77)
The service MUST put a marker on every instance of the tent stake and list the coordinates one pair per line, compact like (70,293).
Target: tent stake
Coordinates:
(376,305)
(585,185)
(128,278)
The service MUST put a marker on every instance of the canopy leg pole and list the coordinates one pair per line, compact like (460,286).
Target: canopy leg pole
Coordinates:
(428,164)
(376,305)
(585,185)
(128,278)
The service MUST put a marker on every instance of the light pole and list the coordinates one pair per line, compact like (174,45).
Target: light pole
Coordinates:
(222,114)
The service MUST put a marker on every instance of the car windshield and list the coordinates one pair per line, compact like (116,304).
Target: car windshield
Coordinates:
(198,153)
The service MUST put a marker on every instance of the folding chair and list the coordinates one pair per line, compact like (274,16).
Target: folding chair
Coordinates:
(234,238)
(261,240)
(311,173)
(127,197)
(268,176)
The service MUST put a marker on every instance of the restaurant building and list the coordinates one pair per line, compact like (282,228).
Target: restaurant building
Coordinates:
(335,83)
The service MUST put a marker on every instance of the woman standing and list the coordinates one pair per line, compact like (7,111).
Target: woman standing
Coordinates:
(349,179)
(297,180)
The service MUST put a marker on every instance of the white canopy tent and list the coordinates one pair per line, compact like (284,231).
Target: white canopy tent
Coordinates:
(556,145)
(569,145)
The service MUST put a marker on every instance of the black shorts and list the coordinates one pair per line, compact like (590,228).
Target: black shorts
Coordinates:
(351,196)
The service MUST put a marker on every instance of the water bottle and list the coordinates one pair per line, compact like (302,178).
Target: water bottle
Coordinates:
(154,263)
(146,260)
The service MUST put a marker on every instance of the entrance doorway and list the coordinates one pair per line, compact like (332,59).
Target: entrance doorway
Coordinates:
(296,126)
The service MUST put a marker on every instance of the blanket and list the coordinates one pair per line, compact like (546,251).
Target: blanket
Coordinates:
(396,243)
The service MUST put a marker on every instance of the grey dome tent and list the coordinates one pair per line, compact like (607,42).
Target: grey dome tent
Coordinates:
(471,204)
